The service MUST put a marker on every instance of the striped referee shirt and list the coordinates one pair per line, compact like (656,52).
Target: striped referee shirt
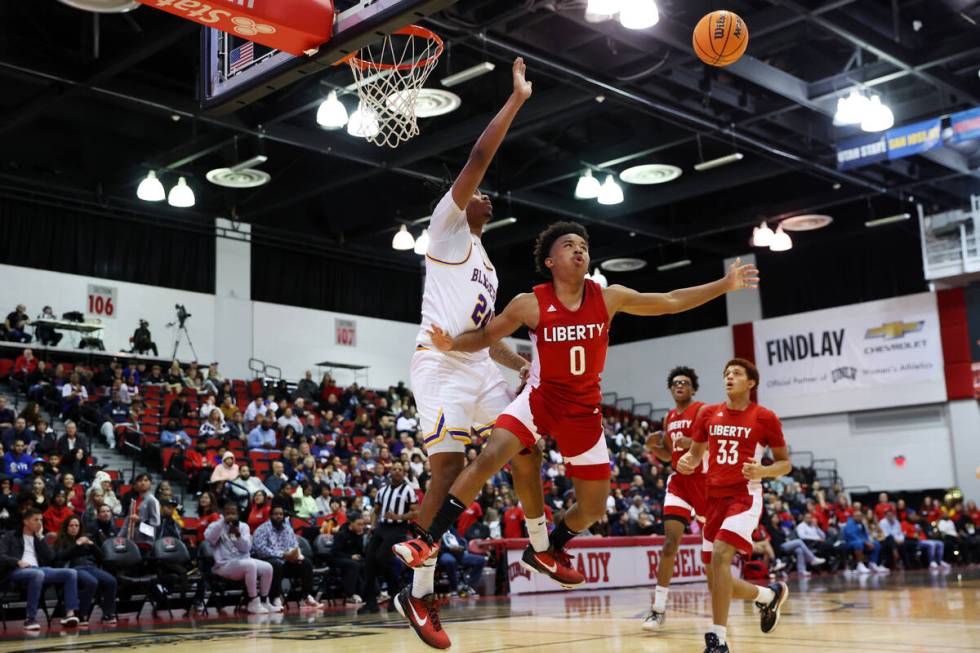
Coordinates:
(394,499)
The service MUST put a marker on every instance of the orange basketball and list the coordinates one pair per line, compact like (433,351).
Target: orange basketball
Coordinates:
(720,38)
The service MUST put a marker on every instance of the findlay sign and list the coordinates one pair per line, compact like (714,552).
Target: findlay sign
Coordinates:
(872,355)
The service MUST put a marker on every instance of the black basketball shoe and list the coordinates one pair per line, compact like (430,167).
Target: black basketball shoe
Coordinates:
(712,645)
(769,612)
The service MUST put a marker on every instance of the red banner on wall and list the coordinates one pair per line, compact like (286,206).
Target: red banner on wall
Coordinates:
(294,26)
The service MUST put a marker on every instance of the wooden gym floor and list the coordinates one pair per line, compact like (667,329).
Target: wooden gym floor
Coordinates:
(901,613)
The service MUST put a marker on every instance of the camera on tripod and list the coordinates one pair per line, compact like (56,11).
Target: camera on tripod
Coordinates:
(182,314)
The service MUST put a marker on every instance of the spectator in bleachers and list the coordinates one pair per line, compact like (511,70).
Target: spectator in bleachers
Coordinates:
(16,325)
(213,380)
(860,543)
(26,559)
(93,503)
(174,436)
(155,377)
(104,526)
(934,549)
(174,379)
(6,414)
(74,492)
(46,335)
(259,509)
(254,411)
(228,408)
(454,555)
(72,440)
(252,483)
(263,436)
(227,470)
(276,543)
(895,541)
(214,426)
(193,379)
(57,512)
(24,365)
(19,431)
(45,439)
(207,510)
(347,554)
(17,462)
(168,522)
(236,427)
(73,395)
(104,482)
(813,536)
(884,505)
(209,405)
(307,389)
(232,543)
(146,520)
(180,408)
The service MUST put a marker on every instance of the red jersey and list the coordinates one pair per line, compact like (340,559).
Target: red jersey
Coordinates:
(469,517)
(733,437)
(679,425)
(513,518)
(571,347)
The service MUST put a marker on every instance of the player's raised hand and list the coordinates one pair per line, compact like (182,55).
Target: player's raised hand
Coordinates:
(686,464)
(752,470)
(440,339)
(742,276)
(522,87)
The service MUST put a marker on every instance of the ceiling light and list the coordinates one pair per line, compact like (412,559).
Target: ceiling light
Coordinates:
(623,264)
(422,244)
(899,217)
(878,118)
(600,10)
(674,265)
(852,109)
(639,14)
(781,241)
(403,240)
(332,113)
(241,175)
(762,235)
(429,102)
(611,192)
(497,224)
(181,195)
(466,75)
(150,189)
(363,123)
(807,222)
(599,278)
(650,173)
(588,187)
(720,161)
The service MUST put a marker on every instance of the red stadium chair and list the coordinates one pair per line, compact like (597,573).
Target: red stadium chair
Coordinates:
(5,366)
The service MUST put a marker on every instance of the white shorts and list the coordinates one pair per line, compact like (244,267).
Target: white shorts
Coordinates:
(456,398)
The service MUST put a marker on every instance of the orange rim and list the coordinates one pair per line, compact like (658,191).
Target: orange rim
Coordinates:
(411,30)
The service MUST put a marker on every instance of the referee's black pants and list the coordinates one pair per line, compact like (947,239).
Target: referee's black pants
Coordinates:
(380,562)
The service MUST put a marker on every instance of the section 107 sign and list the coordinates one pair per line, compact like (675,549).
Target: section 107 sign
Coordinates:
(345,332)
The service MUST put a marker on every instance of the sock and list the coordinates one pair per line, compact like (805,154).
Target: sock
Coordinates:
(660,598)
(424,579)
(562,535)
(765,596)
(720,631)
(537,530)
(448,513)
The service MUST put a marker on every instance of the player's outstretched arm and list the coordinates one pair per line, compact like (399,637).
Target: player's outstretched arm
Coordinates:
(504,355)
(627,300)
(486,147)
(521,311)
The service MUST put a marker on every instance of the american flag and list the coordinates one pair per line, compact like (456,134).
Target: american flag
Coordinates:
(241,57)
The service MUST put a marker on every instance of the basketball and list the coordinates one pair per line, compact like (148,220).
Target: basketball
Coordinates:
(720,38)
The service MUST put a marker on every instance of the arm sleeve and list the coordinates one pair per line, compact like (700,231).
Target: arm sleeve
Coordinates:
(449,233)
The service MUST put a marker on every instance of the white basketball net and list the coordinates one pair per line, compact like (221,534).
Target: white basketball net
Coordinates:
(388,77)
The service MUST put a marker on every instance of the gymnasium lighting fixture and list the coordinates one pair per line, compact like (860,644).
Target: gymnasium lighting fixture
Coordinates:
(241,175)
(599,278)
(611,192)
(623,264)
(898,217)
(466,75)
(363,123)
(852,109)
(181,195)
(422,243)
(588,187)
(762,235)
(781,241)
(878,117)
(674,265)
(720,161)
(332,113)
(497,224)
(150,189)
(639,14)
(598,11)
(403,240)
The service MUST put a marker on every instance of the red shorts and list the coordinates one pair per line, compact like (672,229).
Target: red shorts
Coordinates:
(579,436)
(686,496)
(731,520)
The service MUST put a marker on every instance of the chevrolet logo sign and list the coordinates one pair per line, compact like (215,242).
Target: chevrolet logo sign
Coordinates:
(893,330)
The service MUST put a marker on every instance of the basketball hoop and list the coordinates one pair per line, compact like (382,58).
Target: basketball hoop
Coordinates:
(388,77)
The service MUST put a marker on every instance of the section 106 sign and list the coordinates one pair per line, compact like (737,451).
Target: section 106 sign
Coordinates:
(101,301)
(346,332)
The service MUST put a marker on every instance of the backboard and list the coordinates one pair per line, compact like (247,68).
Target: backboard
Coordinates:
(235,72)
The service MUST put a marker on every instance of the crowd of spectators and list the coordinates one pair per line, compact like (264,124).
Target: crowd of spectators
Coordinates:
(270,463)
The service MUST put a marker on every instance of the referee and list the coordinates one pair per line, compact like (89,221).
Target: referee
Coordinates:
(395,506)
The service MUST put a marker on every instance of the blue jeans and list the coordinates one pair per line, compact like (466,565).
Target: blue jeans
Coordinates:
(470,561)
(803,554)
(35,578)
(934,549)
(89,578)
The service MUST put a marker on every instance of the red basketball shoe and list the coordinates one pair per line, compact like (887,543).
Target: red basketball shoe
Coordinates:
(423,615)
(414,552)
(554,563)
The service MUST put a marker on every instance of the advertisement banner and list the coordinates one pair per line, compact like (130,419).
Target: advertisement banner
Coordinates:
(859,357)
(966,125)
(862,151)
(612,562)
(914,139)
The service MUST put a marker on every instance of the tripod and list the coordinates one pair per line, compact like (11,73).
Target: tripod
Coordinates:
(182,333)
